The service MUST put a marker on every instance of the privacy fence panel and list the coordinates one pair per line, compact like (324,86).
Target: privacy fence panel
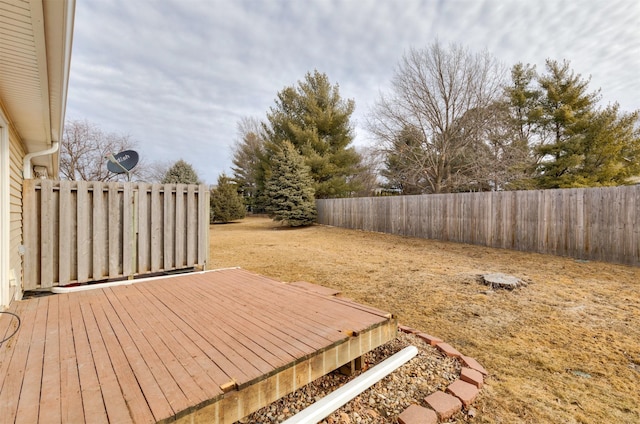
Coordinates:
(591,223)
(79,231)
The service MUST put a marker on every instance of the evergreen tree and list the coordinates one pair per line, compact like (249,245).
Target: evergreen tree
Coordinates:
(523,112)
(226,203)
(316,121)
(289,189)
(566,109)
(574,144)
(523,100)
(181,173)
(249,160)
(610,149)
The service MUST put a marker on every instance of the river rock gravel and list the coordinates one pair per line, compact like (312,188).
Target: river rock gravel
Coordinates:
(428,371)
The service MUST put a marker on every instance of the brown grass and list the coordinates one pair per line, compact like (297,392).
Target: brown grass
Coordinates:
(566,348)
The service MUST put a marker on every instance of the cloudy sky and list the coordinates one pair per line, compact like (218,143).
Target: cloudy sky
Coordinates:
(178,75)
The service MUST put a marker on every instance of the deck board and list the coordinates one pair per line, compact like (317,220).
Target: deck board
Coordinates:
(209,347)
(243,363)
(50,399)
(140,332)
(16,361)
(133,397)
(313,307)
(278,330)
(325,291)
(107,381)
(258,345)
(155,397)
(168,353)
(28,406)
(94,410)
(71,410)
(194,346)
(302,330)
(311,312)
(204,373)
(298,293)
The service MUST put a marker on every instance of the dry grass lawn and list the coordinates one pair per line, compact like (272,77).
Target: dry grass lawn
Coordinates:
(565,348)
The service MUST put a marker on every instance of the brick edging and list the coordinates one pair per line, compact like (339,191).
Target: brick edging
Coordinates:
(462,392)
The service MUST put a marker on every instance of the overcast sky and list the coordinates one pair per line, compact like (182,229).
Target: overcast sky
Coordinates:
(178,75)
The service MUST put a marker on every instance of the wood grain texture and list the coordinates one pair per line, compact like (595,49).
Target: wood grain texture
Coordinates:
(225,344)
(591,223)
(77,232)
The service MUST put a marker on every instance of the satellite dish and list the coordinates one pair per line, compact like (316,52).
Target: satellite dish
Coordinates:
(123,162)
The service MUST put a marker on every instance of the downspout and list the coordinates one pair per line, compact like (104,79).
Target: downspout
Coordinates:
(26,165)
(325,406)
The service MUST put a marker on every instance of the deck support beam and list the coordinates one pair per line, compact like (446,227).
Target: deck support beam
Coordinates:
(351,367)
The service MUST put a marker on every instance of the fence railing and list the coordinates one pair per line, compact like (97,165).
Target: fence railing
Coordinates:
(81,231)
(592,223)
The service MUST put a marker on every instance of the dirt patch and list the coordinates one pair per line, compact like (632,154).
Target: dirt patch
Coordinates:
(564,348)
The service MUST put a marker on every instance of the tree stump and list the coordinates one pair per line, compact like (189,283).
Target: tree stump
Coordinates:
(501,281)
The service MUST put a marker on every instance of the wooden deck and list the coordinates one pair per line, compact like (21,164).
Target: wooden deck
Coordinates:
(205,347)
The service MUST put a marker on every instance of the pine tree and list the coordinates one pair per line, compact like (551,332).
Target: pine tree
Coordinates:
(289,189)
(226,204)
(316,121)
(248,163)
(523,101)
(610,149)
(181,173)
(574,144)
(566,108)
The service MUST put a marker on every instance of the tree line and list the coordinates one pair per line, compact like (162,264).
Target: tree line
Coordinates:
(453,121)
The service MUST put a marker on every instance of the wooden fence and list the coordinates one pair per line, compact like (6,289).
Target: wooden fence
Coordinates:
(593,223)
(79,231)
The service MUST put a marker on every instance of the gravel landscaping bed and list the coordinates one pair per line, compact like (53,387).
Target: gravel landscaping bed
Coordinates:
(429,371)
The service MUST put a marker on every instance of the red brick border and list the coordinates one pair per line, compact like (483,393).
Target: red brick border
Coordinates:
(462,391)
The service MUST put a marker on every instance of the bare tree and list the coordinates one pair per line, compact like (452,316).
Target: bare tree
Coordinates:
(367,177)
(248,158)
(433,91)
(83,150)
(152,172)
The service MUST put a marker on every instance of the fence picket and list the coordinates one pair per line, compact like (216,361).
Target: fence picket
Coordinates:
(114,230)
(30,207)
(128,233)
(144,226)
(47,220)
(179,235)
(64,245)
(83,243)
(203,225)
(157,220)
